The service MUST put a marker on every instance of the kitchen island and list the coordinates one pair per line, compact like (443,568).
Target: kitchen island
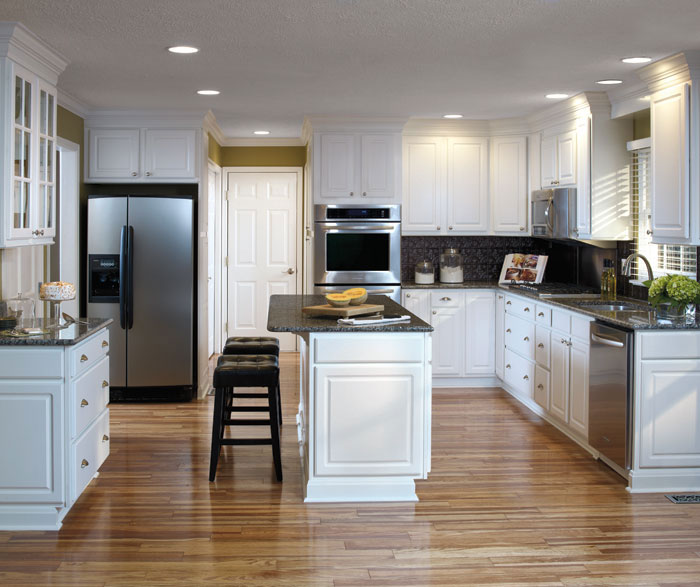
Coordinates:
(54,421)
(365,402)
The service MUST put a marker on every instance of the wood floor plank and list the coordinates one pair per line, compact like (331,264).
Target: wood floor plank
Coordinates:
(509,501)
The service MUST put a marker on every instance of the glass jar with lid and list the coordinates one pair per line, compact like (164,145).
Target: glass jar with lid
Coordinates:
(451,266)
(22,309)
(425,273)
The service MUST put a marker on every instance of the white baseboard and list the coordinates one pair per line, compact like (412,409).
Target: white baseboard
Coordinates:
(476,381)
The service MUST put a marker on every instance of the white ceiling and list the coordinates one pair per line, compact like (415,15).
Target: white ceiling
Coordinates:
(277,60)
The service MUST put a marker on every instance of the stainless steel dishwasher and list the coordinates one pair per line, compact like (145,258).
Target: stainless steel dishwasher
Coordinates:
(610,394)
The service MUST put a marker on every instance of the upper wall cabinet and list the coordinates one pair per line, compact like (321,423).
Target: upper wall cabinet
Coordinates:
(29,71)
(141,155)
(353,167)
(445,185)
(509,185)
(558,160)
(674,84)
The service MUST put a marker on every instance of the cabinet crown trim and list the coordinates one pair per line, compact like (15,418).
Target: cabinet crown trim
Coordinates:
(673,70)
(21,45)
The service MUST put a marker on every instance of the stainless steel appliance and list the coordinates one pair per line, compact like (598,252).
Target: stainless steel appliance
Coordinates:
(610,394)
(554,213)
(141,274)
(357,246)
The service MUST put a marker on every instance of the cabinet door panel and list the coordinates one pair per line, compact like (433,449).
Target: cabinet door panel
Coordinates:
(559,382)
(448,341)
(500,327)
(467,185)
(578,388)
(670,436)
(548,161)
(480,336)
(541,390)
(670,129)
(113,153)
(423,184)
(170,154)
(378,164)
(337,161)
(566,158)
(509,184)
(417,302)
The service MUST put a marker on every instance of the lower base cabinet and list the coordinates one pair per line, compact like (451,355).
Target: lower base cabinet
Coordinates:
(54,428)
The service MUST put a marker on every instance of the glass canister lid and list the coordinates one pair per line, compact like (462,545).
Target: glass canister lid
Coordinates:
(424,267)
(21,308)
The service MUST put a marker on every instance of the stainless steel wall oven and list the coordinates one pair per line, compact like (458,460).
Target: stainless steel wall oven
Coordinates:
(357,246)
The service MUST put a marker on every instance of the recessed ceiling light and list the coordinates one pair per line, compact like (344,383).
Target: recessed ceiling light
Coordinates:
(208,92)
(261,132)
(556,96)
(183,49)
(453,115)
(609,82)
(636,60)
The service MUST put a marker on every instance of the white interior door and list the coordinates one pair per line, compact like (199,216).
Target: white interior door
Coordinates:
(211,259)
(262,256)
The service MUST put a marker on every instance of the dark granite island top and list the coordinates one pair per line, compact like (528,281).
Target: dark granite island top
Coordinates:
(285,315)
(71,334)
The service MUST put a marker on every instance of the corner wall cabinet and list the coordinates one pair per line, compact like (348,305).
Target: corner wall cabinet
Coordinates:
(54,428)
(356,167)
(28,131)
(508,190)
(143,155)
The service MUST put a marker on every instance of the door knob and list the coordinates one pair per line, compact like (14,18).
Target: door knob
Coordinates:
(290,271)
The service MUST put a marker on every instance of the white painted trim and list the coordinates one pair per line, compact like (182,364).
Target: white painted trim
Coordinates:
(628,100)
(69,215)
(18,43)
(467,382)
(664,480)
(639,144)
(171,119)
(212,127)
(381,489)
(353,124)
(671,71)
(71,103)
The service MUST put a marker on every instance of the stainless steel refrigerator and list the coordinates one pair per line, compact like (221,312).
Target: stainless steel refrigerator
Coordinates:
(141,274)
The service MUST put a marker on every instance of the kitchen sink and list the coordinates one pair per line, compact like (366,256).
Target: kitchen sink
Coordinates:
(614,306)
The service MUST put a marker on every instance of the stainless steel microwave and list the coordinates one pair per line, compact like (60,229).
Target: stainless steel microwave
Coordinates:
(554,213)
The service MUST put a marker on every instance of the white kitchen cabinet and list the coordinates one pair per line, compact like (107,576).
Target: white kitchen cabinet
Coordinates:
(28,131)
(445,185)
(499,321)
(354,167)
(448,320)
(578,387)
(54,428)
(417,301)
(467,185)
(508,194)
(141,155)
(559,382)
(480,336)
(558,160)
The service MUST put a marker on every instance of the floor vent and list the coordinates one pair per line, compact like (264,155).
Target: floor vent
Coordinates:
(684,498)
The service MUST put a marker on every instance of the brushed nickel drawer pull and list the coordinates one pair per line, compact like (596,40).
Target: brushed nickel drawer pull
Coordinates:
(508,303)
(105,344)
(84,464)
(526,378)
(526,339)
(540,346)
(541,314)
(105,438)
(83,403)
(540,386)
(105,384)
(445,299)
(434,311)
(526,309)
(508,366)
(83,358)
(508,330)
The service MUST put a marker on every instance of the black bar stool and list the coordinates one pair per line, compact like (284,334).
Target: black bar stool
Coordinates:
(254,345)
(245,371)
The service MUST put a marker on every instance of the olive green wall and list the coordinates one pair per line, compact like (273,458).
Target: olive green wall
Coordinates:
(642,124)
(263,156)
(214,150)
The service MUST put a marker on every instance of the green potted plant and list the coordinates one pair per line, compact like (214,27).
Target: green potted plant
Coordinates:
(671,294)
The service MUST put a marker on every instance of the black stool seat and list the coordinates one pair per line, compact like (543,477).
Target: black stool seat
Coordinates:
(235,371)
(252,345)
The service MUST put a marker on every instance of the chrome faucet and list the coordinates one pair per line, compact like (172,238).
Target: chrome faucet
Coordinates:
(627,265)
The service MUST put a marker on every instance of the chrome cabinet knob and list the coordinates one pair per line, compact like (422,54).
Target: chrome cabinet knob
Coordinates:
(508,330)
(445,299)
(83,403)
(522,228)
(105,344)
(650,232)
(508,366)
(438,228)
(408,295)
(364,194)
(352,194)
(134,174)
(526,378)
(540,386)
(434,311)
(449,228)
(508,303)
(148,174)
(526,339)
(105,384)
(105,438)
(526,309)
(84,464)
(83,358)
(540,346)
(540,314)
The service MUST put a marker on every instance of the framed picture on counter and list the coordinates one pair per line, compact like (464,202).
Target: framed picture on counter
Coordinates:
(521,268)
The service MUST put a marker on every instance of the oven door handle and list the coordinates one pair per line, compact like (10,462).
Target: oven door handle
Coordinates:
(360,227)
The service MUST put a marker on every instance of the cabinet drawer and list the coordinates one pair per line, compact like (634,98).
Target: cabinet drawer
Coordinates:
(670,345)
(445,299)
(541,389)
(89,352)
(520,307)
(542,346)
(89,396)
(520,336)
(369,348)
(88,454)
(561,321)
(35,362)
(543,315)
(519,373)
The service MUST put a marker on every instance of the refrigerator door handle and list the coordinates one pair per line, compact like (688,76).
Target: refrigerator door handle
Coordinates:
(123,284)
(130,299)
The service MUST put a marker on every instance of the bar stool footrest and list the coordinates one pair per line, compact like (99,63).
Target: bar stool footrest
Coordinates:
(247,422)
(244,441)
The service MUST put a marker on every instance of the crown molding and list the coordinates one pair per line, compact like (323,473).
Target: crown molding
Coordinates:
(671,71)
(628,101)
(508,126)
(211,126)
(446,127)
(355,124)
(18,43)
(565,111)
(263,142)
(307,131)
(72,104)
(146,118)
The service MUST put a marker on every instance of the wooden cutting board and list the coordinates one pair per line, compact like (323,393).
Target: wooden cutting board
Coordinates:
(345,312)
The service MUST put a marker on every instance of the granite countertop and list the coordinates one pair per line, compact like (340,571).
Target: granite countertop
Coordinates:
(285,315)
(469,284)
(71,334)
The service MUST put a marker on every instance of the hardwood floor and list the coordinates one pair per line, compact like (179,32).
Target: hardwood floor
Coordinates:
(510,501)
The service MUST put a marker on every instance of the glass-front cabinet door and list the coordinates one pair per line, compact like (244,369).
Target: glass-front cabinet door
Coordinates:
(45,209)
(22,159)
